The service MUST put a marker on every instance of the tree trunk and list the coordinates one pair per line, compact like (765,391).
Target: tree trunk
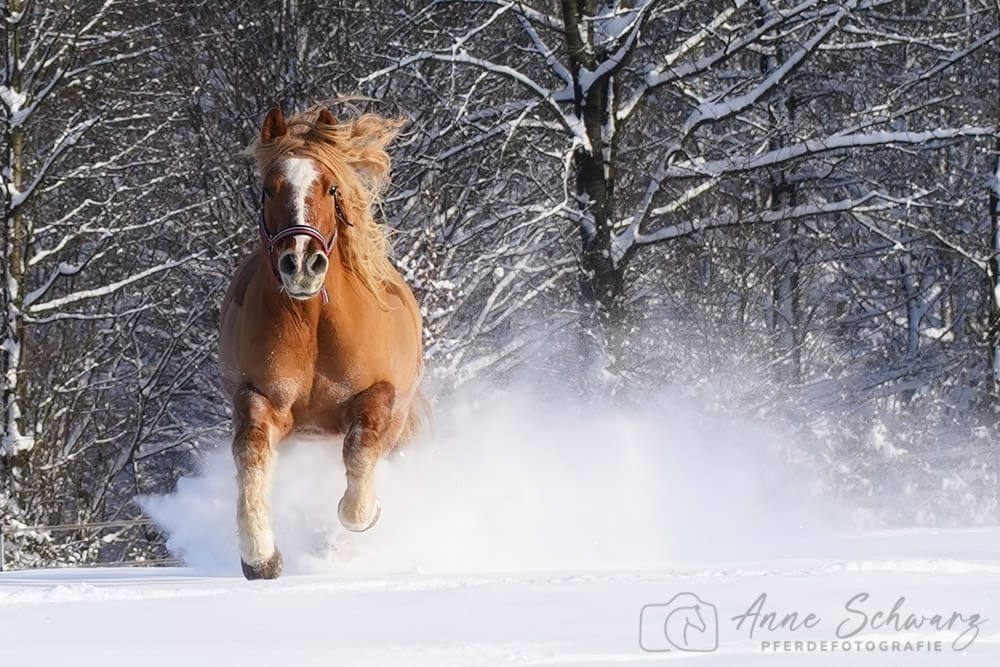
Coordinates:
(993,286)
(785,318)
(909,280)
(601,278)
(602,282)
(12,264)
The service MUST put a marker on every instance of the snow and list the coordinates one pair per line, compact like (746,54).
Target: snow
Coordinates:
(527,532)
(510,482)
(104,290)
(546,96)
(777,156)
(612,23)
(729,106)
(12,441)
(14,101)
(612,26)
(173,616)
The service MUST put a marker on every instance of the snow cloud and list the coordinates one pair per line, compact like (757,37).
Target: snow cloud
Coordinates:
(510,481)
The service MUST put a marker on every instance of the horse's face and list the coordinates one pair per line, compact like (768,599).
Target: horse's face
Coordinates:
(299,193)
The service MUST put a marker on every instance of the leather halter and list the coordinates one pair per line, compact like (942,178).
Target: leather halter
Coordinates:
(268,240)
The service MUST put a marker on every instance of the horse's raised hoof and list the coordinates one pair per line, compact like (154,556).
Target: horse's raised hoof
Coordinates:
(358,527)
(269,569)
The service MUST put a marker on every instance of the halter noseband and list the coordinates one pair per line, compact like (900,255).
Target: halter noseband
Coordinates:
(268,240)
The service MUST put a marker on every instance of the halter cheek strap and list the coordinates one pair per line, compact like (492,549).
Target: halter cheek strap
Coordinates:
(268,240)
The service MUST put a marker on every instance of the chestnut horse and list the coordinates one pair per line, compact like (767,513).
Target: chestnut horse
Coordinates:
(319,332)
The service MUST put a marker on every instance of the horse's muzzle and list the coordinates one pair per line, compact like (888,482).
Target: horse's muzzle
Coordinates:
(302,273)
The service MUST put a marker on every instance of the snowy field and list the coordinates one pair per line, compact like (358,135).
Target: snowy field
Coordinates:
(177,616)
(663,530)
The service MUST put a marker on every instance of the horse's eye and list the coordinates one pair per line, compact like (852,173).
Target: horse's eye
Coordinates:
(333,190)
(268,192)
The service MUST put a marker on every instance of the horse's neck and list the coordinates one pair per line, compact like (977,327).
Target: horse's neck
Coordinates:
(282,311)
(339,289)
(348,301)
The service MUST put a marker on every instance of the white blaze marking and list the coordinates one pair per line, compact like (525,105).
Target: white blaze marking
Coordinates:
(300,174)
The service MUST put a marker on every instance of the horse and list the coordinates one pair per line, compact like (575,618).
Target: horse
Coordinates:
(319,333)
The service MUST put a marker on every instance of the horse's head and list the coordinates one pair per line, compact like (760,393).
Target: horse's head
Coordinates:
(300,213)
(695,619)
(321,178)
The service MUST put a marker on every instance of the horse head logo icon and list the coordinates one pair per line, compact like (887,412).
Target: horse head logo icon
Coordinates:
(686,623)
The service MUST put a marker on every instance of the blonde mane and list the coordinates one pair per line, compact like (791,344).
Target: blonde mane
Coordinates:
(353,150)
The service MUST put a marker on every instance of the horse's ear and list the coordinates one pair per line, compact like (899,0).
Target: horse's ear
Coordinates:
(325,117)
(274,126)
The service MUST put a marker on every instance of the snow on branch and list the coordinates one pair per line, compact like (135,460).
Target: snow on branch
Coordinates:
(535,16)
(547,96)
(68,139)
(544,50)
(946,62)
(666,72)
(712,111)
(656,76)
(733,164)
(631,238)
(623,30)
(106,290)
(62,316)
(689,195)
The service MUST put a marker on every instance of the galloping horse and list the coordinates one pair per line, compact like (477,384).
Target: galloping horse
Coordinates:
(319,332)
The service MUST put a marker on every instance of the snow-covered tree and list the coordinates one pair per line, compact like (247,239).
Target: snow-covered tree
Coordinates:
(642,123)
(88,238)
(676,189)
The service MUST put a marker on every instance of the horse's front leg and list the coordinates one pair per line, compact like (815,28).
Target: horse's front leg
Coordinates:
(258,429)
(370,432)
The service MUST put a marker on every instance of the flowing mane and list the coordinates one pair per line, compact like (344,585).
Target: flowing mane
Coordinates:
(353,149)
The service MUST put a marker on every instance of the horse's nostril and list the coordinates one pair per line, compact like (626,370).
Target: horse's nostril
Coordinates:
(288,264)
(317,264)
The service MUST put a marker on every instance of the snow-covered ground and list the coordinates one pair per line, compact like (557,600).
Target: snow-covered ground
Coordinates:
(528,536)
(175,616)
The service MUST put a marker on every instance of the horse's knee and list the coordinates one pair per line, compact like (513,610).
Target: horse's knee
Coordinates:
(255,428)
(251,407)
(371,415)
(372,408)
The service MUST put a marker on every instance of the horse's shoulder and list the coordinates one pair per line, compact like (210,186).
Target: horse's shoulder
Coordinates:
(241,281)
(408,300)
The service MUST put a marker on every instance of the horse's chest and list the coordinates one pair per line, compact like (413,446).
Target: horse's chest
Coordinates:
(330,391)
(322,405)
